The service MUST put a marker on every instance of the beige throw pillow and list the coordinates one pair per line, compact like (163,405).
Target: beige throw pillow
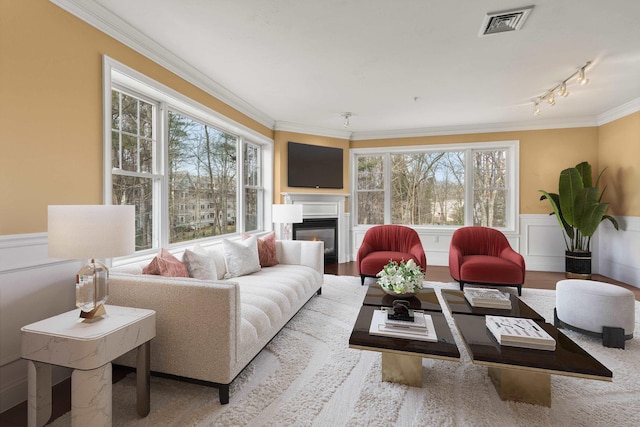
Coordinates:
(200,263)
(241,258)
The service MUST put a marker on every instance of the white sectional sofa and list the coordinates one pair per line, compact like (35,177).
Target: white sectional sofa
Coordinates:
(211,330)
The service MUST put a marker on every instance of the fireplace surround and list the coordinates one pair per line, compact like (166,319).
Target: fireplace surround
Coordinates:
(324,229)
(325,206)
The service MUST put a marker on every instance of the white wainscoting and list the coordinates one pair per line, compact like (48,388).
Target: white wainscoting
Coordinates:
(32,287)
(619,251)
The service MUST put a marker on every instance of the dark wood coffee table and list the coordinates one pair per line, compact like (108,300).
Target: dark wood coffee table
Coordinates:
(426,299)
(402,358)
(457,303)
(522,374)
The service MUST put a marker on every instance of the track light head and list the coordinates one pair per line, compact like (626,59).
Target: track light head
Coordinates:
(581,77)
(346,116)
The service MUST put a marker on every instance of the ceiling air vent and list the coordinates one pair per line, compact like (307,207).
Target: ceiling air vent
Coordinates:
(505,21)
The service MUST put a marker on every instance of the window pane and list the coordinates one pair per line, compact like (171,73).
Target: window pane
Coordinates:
(370,173)
(490,174)
(370,207)
(251,204)
(251,165)
(129,153)
(202,180)
(138,192)
(427,188)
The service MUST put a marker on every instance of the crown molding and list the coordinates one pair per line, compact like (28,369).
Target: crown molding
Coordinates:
(477,128)
(311,130)
(110,24)
(616,113)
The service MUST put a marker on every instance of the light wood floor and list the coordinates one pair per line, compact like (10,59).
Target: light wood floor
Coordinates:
(533,279)
(17,416)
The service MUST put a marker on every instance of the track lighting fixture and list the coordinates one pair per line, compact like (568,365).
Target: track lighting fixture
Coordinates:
(346,116)
(581,78)
(560,89)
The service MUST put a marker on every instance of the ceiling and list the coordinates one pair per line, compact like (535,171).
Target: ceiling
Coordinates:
(401,67)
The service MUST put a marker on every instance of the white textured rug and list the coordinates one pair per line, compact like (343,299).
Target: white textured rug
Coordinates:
(307,376)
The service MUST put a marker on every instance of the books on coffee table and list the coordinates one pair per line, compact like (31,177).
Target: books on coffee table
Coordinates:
(487,298)
(421,328)
(519,332)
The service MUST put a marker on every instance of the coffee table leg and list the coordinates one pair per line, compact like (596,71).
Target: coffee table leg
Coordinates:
(402,369)
(143,380)
(522,386)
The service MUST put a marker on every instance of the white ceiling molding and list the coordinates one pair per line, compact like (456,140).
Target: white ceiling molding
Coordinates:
(616,113)
(105,21)
(309,130)
(479,128)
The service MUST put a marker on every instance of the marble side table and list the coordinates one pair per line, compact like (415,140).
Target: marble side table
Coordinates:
(88,347)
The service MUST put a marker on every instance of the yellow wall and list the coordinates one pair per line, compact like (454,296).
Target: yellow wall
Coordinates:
(51,125)
(51,110)
(543,154)
(281,139)
(619,152)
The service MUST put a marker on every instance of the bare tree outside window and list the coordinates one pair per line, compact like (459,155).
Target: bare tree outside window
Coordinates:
(437,187)
(489,188)
(132,140)
(370,190)
(202,180)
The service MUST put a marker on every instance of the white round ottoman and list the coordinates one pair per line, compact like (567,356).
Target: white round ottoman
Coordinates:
(596,308)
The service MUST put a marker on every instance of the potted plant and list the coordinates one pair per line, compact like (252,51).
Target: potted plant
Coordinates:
(579,210)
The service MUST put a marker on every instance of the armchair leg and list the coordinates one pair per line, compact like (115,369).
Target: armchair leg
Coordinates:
(519,290)
(362,279)
(461,285)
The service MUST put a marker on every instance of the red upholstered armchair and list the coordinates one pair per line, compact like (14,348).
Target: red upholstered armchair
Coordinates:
(388,242)
(482,255)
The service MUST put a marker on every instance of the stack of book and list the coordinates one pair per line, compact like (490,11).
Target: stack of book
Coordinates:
(517,332)
(487,298)
(420,329)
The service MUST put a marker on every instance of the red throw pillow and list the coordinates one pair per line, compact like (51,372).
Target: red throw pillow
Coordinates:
(165,264)
(266,249)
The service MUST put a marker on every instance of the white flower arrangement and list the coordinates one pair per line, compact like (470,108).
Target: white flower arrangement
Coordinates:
(402,278)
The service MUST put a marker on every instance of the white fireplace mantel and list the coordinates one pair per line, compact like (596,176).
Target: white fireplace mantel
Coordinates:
(325,205)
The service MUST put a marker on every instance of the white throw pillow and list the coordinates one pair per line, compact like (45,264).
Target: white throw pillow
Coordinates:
(200,264)
(241,257)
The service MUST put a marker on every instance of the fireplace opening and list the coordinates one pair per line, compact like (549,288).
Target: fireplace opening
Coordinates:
(325,229)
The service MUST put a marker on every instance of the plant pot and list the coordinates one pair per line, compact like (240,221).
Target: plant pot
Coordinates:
(578,265)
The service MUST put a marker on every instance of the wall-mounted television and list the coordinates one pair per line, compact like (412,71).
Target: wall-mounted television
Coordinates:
(314,166)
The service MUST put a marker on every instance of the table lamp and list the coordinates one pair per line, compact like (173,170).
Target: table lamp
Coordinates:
(287,215)
(91,232)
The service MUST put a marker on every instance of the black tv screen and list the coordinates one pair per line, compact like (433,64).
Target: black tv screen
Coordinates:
(314,166)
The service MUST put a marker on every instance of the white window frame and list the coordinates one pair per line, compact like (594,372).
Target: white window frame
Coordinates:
(512,148)
(121,77)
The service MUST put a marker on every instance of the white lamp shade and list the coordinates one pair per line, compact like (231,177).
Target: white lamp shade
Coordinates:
(91,231)
(287,214)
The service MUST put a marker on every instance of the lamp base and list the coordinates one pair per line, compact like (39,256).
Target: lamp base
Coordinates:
(98,311)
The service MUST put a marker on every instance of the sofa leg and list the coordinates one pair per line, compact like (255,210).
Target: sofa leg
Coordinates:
(319,292)
(223,390)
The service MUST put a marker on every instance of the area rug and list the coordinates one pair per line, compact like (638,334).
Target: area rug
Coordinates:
(307,376)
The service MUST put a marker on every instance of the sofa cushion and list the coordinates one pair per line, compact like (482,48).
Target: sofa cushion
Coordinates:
(269,296)
(266,249)
(476,268)
(241,258)
(200,264)
(165,264)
